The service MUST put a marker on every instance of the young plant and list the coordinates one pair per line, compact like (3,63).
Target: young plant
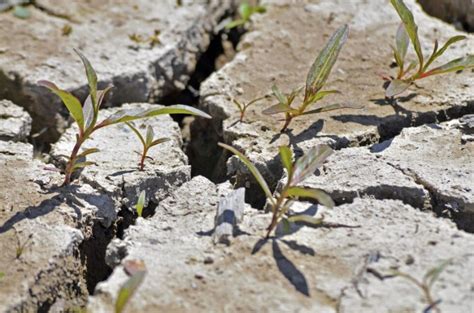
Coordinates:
(136,270)
(245,12)
(86,117)
(148,142)
(426,283)
(244,106)
(20,247)
(297,172)
(408,31)
(315,81)
(140,203)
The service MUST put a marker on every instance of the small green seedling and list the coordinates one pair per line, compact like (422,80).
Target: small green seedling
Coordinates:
(147,142)
(297,171)
(2,274)
(20,247)
(426,283)
(315,81)
(408,31)
(86,117)
(245,12)
(244,106)
(140,203)
(136,270)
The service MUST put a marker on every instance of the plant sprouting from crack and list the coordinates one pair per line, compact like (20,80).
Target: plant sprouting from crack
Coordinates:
(244,106)
(425,284)
(297,172)
(147,142)
(140,203)
(245,12)
(315,81)
(86,117)
(20,247)
(407,74)
(136,271)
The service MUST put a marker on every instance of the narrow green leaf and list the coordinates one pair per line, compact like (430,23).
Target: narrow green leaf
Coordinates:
(432,276)
(453,66)
(238,104)
(101,96)
(130,115)
(140,203)
(320,95)
(286,157)
(128,289)
(72,103)
(82,164)
(149,136)
(87,152)
(316,194)
(279,95)
(307,164)
(255,100)
(410,27)
(322,66)
(436,54)
(403,41)
(91,77)
(255,172)
(245,11)
(89,112)
(140,137)
(234,24)
(305,219)
(277,108)
(396,87)
(158,141)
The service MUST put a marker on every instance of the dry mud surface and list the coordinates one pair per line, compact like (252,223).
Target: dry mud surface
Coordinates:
(402,174)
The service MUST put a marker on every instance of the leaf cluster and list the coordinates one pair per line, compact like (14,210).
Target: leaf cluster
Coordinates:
(315,82)
(148,141)
(408,72)
(297,172)
(245,12)
(87,116)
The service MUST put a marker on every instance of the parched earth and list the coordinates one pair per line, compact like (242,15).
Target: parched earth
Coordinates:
(401,175)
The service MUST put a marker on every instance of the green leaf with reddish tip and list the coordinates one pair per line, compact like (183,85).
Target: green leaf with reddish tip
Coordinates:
(322,66)
(255,172)
(72,103)
(131,115)
(158,141)
(453,66)
(140,203)
(305,219)
(396,87)
(307,164)
(316,194)
(129,288)
(410,26)
(91,77)
(286,157)
(140,137)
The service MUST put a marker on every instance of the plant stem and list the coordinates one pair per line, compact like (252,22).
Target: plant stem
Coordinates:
(242,113)
(72,160)
(287,122)
(276,210)
(142,160)
(429,298)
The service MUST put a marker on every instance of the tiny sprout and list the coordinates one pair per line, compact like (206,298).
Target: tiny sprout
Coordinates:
(408,31)
(153,40)
(245,12)
(244,106)
(136,270)
(426,283)
(297,171)
(140,203)
(20,247)
(147,142)
(86,117)
(315,81)
(66,30)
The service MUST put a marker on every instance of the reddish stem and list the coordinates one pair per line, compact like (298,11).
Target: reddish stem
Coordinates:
(142,160)
(72,160)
